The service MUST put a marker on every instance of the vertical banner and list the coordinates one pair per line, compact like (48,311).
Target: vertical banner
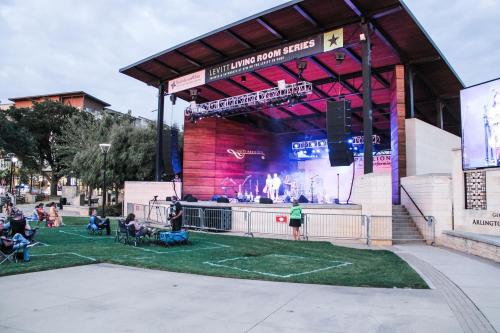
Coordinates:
(174,150)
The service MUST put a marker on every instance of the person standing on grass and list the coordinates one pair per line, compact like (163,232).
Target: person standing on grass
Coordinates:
(296,219)
(175,214)
(54,218)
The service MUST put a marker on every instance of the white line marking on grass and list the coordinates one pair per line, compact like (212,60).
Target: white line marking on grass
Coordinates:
(218,264)
(61,253)
(218,246)
(87,237)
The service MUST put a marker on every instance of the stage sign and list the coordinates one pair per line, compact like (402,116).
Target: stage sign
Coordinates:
(187,81)
(276,55)
(241,153)
(302,48)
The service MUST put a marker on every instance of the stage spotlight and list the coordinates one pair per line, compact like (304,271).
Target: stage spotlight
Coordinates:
(243,78)
(194,94)
(349,141)
(339,58)
(301,66)
(292,101)
(173,98)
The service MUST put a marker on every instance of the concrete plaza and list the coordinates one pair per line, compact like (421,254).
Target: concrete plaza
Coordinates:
(112,298)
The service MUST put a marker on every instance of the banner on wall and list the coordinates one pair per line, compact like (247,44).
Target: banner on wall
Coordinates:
(324,42)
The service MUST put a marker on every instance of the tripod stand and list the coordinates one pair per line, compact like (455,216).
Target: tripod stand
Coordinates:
(158,212)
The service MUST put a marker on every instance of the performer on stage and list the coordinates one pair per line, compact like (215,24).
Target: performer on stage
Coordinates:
(269,185)
(276,183)
(287,182)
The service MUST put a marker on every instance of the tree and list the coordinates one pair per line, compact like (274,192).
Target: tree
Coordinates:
(131,156)
(45,121)
(18,140)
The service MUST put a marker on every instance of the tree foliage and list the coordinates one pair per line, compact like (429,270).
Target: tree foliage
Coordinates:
(45,122)
(131,156)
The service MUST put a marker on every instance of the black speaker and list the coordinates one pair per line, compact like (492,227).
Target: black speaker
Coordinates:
(185,198)
(168,199)
(303,199)
(191,199)
(339,131)
(222,200)
(263,200)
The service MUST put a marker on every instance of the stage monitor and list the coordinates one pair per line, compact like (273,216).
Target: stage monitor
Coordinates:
(480,111)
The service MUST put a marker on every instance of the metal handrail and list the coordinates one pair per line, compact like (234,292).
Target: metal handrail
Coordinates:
(414,203)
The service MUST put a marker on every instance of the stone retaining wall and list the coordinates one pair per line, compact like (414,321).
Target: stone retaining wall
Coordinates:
(470,246)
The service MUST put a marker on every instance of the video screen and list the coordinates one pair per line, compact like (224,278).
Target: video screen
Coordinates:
(480,107)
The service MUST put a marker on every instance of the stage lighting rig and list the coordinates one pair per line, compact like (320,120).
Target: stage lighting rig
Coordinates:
(241,103)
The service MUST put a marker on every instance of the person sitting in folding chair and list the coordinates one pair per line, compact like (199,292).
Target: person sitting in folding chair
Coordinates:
(140,229)
(9,247)
(96,223)
(19,225)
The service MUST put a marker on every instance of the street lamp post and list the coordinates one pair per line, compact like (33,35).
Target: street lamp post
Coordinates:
(104,149)
(13,161)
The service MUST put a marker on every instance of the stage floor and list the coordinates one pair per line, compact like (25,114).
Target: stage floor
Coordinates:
(213,204)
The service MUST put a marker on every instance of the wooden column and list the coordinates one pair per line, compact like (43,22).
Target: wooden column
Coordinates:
(398,132)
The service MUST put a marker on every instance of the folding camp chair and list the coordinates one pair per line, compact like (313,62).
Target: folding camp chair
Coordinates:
(8,254)
(121,232)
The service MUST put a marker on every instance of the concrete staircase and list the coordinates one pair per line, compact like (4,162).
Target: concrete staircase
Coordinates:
(404,229)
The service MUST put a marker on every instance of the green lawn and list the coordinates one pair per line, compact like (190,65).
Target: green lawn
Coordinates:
(223,255)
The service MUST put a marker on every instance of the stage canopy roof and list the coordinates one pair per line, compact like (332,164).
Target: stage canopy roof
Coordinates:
(397,39)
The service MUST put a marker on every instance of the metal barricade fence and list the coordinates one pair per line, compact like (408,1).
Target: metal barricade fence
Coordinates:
(269,222)
(192,217)
(399,228)
(315,225)
(215,219)
(336,226)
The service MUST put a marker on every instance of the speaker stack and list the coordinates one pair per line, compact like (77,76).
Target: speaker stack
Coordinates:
(339,131)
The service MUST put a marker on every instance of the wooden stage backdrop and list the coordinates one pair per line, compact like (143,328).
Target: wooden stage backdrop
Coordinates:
(208,157)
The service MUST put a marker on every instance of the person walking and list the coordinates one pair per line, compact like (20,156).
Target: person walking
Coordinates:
(296,219)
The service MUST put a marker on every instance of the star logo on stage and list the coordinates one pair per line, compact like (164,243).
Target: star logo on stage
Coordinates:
(333,39)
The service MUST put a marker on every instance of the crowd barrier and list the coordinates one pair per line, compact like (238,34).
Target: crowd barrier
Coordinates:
(314,225)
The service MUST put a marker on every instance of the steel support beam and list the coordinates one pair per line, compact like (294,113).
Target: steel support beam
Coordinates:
(189,59)
(159,165)
(367,100)
(164,65)
(271,29)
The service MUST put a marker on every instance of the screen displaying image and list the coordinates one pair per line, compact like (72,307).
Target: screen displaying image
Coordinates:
(480,106)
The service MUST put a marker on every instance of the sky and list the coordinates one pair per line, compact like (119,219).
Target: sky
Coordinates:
(68,45)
